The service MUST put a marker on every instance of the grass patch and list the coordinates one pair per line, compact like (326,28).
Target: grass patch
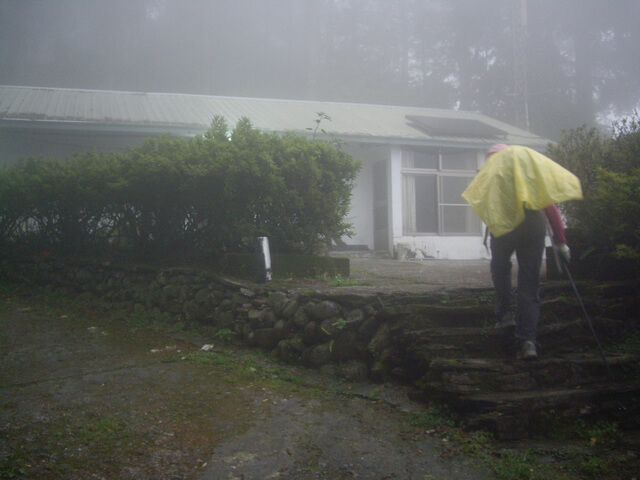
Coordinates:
(13,465)
(225,335)
(432,418)
(340,281)
(599,433)
(103,429)
(593,439)
(475,444)
(520,466)
(527,465)
(248,367)
(447,299)
(210,358)
(596,433)
(594,466)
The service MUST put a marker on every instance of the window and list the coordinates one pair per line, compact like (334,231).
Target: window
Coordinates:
(432,182)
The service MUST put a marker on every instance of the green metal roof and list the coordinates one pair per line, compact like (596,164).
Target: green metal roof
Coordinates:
(58,108)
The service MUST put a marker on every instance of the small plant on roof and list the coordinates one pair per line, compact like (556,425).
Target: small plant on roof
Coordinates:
(320,116)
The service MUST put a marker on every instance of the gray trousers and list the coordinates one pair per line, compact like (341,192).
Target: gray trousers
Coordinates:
(527,241)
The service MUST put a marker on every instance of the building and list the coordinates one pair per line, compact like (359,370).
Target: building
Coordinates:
(415,161)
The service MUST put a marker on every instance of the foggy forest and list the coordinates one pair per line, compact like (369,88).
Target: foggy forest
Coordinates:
(544,65)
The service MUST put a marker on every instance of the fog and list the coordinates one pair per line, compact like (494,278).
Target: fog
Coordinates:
(545,65)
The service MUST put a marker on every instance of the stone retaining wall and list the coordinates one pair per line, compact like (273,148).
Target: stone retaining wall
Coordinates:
(341,334)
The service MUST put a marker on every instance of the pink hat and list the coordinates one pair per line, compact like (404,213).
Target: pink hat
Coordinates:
(496,148)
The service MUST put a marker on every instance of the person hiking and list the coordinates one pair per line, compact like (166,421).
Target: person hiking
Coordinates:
(515,193)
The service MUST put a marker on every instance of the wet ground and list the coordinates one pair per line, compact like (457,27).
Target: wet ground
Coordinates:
(88,392)
(422,275)
(85,395)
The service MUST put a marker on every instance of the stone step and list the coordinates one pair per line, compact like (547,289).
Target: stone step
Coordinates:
(492,342)
(475,309)
(519,414)
(576,333)
(453,353)
(469,311)
(459,376)
(422,316)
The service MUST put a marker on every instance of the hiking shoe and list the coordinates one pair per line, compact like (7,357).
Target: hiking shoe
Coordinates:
(528,351)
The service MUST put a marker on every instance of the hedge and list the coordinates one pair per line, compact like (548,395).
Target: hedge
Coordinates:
(202,197)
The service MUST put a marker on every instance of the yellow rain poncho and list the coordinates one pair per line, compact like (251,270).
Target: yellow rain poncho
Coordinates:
(514,179)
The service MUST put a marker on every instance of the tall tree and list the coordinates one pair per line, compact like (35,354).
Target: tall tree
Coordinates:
(582,55)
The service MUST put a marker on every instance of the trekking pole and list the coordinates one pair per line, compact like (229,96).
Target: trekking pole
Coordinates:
(563,264)
(586,315)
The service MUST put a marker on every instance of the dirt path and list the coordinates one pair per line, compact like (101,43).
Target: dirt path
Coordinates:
(84,395)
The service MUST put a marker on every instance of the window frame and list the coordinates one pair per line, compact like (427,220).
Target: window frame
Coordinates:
(439,173)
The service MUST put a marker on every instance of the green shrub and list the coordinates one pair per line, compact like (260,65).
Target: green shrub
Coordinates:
(616,204)
(608,219)
(200,197)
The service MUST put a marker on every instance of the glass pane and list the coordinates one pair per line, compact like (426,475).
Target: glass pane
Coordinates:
(460,219)
(459,161)
(420,159)
(452,188)
(426,203)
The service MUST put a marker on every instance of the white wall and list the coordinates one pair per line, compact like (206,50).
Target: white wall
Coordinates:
(395,195)
(440,247)
(403,247)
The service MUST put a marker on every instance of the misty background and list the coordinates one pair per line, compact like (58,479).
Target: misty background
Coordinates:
(545,65)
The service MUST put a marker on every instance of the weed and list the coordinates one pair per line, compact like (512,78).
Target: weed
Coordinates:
(225,335)
(432,417)
(518,466)
(210,358)
(340,324)
(102,430)
(176,327)
(291,378)
(594,433)
(339,281)
(138,320)
(445,299)
(487,298)
(594,466)
(14,465)
(600,433)
(375,393)
(474,443)
(320,116)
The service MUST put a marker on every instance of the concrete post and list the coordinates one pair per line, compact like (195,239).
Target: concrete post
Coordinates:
(263,257)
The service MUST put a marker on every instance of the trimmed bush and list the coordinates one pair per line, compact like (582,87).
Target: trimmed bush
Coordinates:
(183,198)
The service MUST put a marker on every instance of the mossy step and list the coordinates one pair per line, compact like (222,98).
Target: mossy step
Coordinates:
(519,415)
(493,342)
(597,397)
(470,376)
(421,316)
